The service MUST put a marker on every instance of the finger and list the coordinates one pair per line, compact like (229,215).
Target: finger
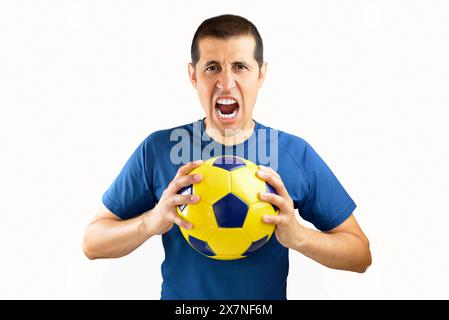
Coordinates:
(182,199)
(183,181)
(275,181)
(278,201)
(276,220)
(185,169)
(182,223)
(269,170)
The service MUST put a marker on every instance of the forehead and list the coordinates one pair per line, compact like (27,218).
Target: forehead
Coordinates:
(235,48)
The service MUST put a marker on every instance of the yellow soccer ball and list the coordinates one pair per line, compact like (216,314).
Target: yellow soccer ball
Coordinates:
(228,218)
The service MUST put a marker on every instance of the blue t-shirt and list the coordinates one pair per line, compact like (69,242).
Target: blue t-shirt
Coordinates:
(187,274)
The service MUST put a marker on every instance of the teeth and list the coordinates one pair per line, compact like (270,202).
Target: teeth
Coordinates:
(226,101)
(226,116)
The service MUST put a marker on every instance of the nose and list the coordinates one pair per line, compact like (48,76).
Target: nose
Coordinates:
(226,81)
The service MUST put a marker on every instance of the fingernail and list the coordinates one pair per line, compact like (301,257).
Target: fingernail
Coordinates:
(195,197)
(189,226)
(263,195)
(266,218)
(197,177)
(262,174)
(198,161)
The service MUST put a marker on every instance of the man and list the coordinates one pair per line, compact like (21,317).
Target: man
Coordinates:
(227,69)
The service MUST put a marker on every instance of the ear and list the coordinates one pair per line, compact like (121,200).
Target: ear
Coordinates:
(262,74)
(192,74)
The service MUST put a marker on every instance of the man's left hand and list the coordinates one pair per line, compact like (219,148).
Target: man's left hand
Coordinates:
(288,230)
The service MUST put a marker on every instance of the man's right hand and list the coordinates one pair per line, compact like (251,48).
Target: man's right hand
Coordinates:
(161,218)
(108,236)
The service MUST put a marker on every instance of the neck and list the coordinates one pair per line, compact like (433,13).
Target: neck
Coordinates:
(230,137)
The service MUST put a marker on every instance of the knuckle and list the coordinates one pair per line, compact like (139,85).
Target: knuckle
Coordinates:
(176,184)
(170,218)
(164,201)
(286,203)
(278,200)
(181,170)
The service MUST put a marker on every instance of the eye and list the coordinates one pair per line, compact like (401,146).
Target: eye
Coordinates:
(212,68)
(241,67)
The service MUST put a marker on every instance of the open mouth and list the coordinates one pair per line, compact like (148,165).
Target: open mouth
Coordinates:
(226,108)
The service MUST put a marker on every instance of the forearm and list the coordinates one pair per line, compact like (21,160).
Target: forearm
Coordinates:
(340,250)
(108,238)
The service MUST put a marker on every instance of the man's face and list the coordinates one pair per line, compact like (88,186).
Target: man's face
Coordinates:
(227,79)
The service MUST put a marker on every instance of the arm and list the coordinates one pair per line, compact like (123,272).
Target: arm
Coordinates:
(344,247)
(107,236)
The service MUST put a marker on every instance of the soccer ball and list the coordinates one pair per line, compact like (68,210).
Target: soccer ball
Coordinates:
(228,218)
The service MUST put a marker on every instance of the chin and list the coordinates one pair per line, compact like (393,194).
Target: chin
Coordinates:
(235,125)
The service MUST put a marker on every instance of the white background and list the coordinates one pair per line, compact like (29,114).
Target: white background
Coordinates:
(82,83)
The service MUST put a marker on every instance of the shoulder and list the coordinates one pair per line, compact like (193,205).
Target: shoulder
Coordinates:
(292,142)
(159,140)
(287,142)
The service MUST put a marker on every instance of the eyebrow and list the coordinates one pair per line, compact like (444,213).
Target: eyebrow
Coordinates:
(211,62)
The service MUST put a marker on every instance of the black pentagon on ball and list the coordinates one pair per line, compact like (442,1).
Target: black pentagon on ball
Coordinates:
(229,163)
(255,245)
(201,246)
(230,211)
(185,190)
(270,189)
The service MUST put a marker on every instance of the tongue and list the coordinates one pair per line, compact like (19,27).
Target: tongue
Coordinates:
(227,109)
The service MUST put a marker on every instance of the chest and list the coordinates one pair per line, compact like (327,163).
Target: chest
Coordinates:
(291,176)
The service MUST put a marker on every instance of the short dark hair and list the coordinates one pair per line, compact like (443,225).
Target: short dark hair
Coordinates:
(223,27)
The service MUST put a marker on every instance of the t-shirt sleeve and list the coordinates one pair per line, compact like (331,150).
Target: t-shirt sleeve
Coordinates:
(131,194)
(327,203)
